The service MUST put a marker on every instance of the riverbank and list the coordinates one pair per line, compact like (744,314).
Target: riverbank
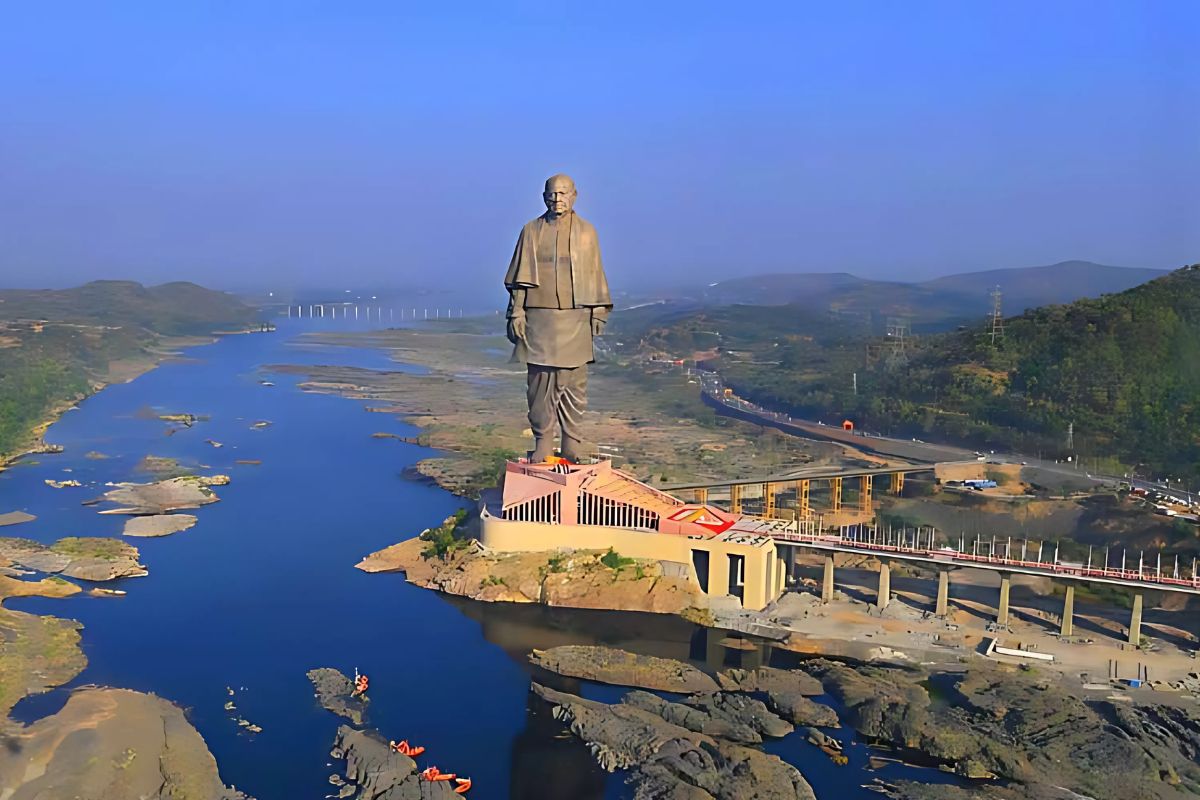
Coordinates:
(118,371)
(579,579)
(102,740)
(469,402)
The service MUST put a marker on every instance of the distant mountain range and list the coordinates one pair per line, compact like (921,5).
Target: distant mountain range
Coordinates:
(170,309)
(949,299)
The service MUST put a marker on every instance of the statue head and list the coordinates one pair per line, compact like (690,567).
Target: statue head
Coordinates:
(559,195)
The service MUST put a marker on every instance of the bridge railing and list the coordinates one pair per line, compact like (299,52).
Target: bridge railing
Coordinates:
(953,555)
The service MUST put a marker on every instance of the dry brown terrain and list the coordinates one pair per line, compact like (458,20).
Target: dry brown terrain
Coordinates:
(470,402)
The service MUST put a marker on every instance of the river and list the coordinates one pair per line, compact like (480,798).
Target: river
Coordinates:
(264,588)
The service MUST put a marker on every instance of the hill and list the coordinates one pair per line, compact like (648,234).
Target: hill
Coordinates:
(1123,370)
(938,303)
(57,346)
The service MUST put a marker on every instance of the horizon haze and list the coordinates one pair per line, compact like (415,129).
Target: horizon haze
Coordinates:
(311,145)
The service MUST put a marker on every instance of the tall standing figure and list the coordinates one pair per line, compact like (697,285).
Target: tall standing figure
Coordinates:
(558,301)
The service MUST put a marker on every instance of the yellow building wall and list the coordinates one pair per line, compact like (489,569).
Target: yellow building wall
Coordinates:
(761,584)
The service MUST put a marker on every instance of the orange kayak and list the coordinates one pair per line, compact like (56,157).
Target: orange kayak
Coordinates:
(435,774)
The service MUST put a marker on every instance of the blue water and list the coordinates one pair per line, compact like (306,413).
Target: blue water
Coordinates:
(263,588)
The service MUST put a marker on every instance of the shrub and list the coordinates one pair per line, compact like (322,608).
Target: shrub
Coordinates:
(443,540)
(614,560)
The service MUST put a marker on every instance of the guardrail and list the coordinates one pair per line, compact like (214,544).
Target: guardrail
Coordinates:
(1149,578)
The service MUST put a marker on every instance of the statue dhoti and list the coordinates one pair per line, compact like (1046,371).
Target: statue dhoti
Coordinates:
(558,301)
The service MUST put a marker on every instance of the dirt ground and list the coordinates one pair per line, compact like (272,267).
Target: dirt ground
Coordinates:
(469,401)
(907,625)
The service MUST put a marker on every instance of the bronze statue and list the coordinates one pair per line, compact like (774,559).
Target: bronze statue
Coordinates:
(558,301)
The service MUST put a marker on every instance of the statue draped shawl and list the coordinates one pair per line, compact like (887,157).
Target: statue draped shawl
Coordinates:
(587,272)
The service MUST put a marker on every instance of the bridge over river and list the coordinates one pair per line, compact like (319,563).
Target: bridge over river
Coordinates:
(925,547)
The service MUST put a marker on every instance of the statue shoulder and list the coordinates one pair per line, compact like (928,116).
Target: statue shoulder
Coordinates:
(585,227)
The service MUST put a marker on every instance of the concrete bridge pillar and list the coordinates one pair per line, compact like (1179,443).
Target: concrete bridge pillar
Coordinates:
(835,494)
(735,499)
(884,595)
(943,594)
(768,492)
(802,491)
(1005,586)
(1068,615)
(701,496)
(827,584)
(897,480)
(864,494)
(1135,621)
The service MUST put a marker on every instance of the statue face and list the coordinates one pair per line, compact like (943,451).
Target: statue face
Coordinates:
(559,195)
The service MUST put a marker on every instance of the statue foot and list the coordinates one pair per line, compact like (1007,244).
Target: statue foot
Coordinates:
(543,449)
(575,451)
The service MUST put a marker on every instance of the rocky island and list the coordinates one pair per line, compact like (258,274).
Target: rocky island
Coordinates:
(1009,733)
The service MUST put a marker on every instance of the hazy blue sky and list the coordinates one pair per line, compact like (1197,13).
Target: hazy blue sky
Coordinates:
(250,142)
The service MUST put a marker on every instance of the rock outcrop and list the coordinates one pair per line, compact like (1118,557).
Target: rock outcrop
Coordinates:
(15,518)
(787,693)
(85,558)
(111,744)
(770,679)
(670,761)
(335,692)
(608,665)
(1024,728)
(374,771)
(158,524)
(165,496)
(725,716)
(566,579)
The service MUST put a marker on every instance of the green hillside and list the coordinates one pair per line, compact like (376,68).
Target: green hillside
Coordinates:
(1123,368)
(56,346)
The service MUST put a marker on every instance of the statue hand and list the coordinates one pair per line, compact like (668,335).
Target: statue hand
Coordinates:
(597,327)
(516,329)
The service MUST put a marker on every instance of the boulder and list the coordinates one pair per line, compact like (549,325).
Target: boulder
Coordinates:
(800,710)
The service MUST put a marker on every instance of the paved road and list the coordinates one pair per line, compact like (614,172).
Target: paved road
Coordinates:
(1052,474)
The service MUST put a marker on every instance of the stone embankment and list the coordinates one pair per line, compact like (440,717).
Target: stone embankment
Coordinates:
(577,579)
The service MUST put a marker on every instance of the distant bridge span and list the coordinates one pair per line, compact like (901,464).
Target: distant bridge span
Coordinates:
(811,474)
(798,483)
